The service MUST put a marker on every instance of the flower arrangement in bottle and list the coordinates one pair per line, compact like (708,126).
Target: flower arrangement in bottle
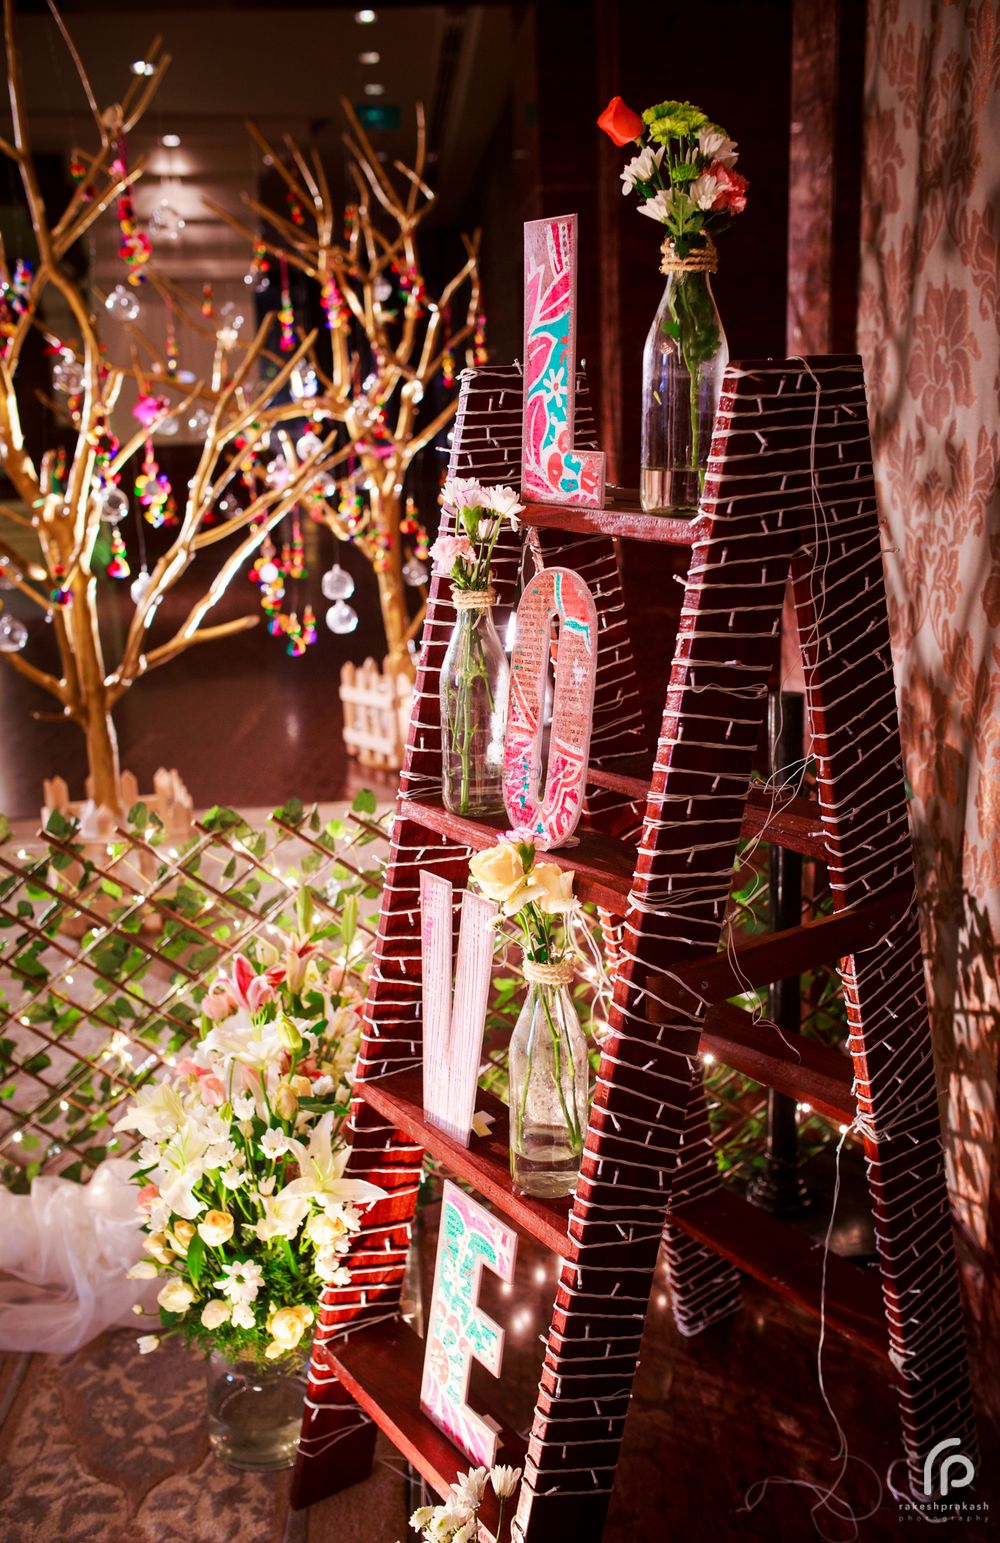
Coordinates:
(548,1064)
(684,178)
(475,675)
(246,1210)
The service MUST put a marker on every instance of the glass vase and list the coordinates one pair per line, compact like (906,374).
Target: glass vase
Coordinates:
(255,1411)
(474,681)
(682,368)
(549,1080)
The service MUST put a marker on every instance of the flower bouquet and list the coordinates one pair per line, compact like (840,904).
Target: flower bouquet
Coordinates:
(246,1209)
(475,674)
(548,1064)
(684,178)
(457,1520)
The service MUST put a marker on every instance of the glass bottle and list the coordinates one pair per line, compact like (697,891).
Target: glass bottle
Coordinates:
(682,368)
(475,677)
(255,1411)
(549,1081)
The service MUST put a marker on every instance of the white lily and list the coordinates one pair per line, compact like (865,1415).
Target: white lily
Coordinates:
(321,1169)
(158,1111)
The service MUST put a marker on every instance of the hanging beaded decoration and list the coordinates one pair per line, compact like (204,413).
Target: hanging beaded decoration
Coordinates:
(135,247)
(118,567)
(153,490)
(207,301)
(286,316)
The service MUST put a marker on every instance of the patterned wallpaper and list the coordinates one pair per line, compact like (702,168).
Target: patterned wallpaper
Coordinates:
(930,333)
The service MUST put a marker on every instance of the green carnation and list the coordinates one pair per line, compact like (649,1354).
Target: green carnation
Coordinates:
(673,120)
(684,171)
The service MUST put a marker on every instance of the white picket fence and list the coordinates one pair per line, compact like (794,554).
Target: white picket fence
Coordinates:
(377,705)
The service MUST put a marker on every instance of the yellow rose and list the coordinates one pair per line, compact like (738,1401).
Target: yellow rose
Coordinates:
(215,1228)
(176,1296)
(180,1236)
(286,1327)
(553,888)
(325,1230)
(215,1313)
(302,1086)
(285,1101)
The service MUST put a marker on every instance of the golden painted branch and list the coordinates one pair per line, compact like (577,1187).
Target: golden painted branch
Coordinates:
(304,171)
(71,49)
(256,239)
(275,160)
(95,209)
(177,645)
(38,677)
(292,233)
(16,517)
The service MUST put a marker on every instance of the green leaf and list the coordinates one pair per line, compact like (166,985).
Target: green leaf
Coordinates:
(4,829)
(138,815)
(349,921)
(364,802)
(196,1258)
(58,825)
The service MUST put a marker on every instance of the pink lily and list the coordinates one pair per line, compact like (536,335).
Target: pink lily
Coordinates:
(254,991)
(300,951)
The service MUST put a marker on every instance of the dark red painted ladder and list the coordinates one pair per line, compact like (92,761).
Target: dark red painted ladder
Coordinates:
(789,491)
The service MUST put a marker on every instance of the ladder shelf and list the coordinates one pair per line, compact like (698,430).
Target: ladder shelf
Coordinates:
(789,494)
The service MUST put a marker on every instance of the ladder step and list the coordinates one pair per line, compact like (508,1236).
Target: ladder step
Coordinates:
(790,1263)
(624,520)
(812,1073)
(485,1163)
(793,823)
(382,1367)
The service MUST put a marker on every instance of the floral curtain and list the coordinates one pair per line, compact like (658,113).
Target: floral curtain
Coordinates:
(928,330)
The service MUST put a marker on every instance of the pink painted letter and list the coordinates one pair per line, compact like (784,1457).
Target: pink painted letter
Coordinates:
(552,470)
(553,594)
(457,1331)
(453,1034)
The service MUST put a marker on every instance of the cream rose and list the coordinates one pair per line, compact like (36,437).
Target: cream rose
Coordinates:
(176,1296)
(324,1231)
(499,873)
(180,1235)
(553,888)
(286,1327)
(286,1101)
(144,1270)
(215,1313)
(156,1244)
(215,1228)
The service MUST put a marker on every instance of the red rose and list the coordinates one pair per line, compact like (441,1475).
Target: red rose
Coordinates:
(619,122)
(732,192)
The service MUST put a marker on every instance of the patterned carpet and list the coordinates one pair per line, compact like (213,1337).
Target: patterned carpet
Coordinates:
(107,1446)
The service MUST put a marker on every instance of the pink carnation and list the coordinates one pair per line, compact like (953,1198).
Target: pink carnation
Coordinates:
(147,1194)
(448,550)
(732,194)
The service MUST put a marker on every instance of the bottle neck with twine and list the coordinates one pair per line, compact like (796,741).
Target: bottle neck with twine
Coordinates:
(558,972)
(704,259)
(473,599)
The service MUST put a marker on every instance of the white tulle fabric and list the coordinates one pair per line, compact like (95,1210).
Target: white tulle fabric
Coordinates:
(64,1251)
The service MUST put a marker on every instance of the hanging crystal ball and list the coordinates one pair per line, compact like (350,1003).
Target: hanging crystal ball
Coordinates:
(139,587)
(303,384)
(165,223)
(337,584)
(341,617)
(308,445)
(414,572)
(14,634)
(123,303)
(112,504)
(227,505)
(67,375)
(169,427)
(199,421)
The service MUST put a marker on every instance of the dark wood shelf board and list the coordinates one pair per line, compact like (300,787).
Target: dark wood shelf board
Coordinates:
(602,864)
(814,1074)
(484,1163)
(794,823)
(381,1367)
(790,1264)
(625,520)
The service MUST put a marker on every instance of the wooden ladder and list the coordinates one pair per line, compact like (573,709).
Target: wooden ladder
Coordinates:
(789,491)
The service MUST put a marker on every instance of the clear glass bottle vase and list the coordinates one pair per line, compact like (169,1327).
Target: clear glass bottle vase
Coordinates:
(255,1411)
(475,677)
(682,368)
(549,1077)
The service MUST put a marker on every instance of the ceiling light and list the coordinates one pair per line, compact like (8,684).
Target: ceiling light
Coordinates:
(370,58)
(170,141)
(142,67)
(373,88)
(365,18)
